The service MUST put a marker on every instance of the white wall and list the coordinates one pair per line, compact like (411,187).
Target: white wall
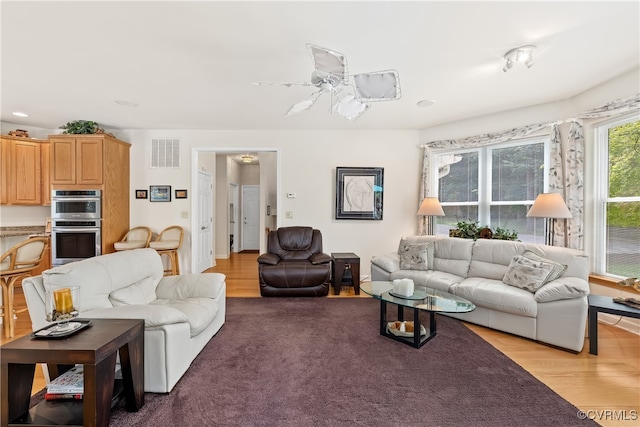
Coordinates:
(307,167)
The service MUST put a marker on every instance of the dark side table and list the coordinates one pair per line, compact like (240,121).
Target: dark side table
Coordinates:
(96,348)
(345,264)
(601,304)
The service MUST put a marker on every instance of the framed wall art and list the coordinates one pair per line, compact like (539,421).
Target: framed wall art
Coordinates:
(160,193)
(181,194)
(359,192)
(141,194)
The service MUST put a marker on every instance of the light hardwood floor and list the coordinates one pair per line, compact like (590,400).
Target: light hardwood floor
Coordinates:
(606,386)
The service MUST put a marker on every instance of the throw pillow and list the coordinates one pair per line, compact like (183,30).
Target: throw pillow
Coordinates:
(558,269)
(416,256)
(527,274)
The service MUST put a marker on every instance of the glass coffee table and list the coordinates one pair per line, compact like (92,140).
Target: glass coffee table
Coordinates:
(423,299)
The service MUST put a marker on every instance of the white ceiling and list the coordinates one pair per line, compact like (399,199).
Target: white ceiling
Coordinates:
(189,65)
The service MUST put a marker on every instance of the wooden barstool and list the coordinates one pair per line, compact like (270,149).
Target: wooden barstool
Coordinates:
(168,243)
(17,263)
(136,238)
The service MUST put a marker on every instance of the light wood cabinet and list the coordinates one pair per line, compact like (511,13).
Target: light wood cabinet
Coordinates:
(77,160)
(22,172)
(95,162)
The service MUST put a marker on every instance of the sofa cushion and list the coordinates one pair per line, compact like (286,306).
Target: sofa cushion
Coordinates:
(199,312)
(528,274)
(153,315)
(204,285)
(99,276)
(431,279)
(416,256)
(558,269)
(495,295)
(563,288)
(141,292)
(389,262)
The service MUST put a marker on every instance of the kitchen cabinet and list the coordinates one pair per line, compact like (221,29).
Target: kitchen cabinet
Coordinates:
(22,171)
(77,160)
(100,162)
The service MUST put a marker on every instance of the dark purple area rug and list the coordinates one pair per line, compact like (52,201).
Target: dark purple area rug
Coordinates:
(322,362)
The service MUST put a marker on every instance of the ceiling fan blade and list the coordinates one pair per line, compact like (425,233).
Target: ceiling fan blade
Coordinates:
(287,84)
(329,61)
(378,86)
(350,108)
(303,105)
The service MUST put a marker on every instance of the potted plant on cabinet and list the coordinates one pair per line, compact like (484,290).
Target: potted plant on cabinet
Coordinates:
(81,127)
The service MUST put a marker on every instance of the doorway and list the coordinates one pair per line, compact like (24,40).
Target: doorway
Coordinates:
(205,158)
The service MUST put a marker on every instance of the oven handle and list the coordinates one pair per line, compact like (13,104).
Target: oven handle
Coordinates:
(76,229)
(76,199)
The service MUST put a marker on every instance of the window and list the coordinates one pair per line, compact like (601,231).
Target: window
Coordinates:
(618,198)
(494,185)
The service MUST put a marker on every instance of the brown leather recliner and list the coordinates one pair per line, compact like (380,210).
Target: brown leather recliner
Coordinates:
(294,265)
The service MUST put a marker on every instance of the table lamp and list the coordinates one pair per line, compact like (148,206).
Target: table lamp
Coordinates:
(430,207)
(549,206)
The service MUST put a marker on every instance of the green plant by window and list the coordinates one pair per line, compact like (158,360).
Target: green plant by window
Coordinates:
(471,230)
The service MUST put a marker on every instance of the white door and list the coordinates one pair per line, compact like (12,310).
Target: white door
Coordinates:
(250,217)
(204,257)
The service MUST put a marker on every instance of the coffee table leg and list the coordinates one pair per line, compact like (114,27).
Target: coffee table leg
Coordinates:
(131,362)
(383,317)
(593,331)
(15,402)
(416,328)
(98,392)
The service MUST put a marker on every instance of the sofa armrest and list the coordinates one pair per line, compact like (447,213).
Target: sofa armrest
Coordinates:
(202,285)
(153,315)
(319,258)
(389,262)
(269,259)
(562,288)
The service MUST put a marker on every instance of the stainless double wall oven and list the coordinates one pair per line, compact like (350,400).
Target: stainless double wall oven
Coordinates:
(76,223)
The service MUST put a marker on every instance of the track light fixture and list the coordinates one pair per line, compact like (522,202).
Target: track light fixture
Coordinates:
(522,54)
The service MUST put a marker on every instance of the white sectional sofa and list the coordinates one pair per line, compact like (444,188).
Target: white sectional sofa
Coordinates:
(182,313)
(554,312)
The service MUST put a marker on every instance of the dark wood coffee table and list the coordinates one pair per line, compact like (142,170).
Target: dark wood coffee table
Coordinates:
(96,348)
(602,304)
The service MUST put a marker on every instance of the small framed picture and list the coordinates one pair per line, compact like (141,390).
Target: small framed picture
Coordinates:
(160,193)
(181,194)
(141,194)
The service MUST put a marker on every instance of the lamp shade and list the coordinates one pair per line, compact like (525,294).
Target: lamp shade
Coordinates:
(430,206)
(549,205)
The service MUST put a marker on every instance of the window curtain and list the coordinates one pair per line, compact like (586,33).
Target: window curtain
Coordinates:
(568,168)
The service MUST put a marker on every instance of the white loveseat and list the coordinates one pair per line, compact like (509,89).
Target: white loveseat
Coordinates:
(182,313)
(555,313)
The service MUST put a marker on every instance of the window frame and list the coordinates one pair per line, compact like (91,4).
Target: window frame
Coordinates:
(485,178)
(601,167)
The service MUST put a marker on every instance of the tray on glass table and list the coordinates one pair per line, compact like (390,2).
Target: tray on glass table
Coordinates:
(61,330)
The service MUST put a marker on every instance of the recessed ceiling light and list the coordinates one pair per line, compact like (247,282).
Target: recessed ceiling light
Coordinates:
(426,103)
(126,103)
(20,114)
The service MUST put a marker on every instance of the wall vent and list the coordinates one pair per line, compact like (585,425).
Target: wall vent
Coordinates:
(165,153)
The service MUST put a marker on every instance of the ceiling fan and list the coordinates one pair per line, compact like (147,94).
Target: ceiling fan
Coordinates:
(330,76)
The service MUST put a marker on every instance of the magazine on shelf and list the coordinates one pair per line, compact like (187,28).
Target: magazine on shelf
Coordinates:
(71,382)
(63,396)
